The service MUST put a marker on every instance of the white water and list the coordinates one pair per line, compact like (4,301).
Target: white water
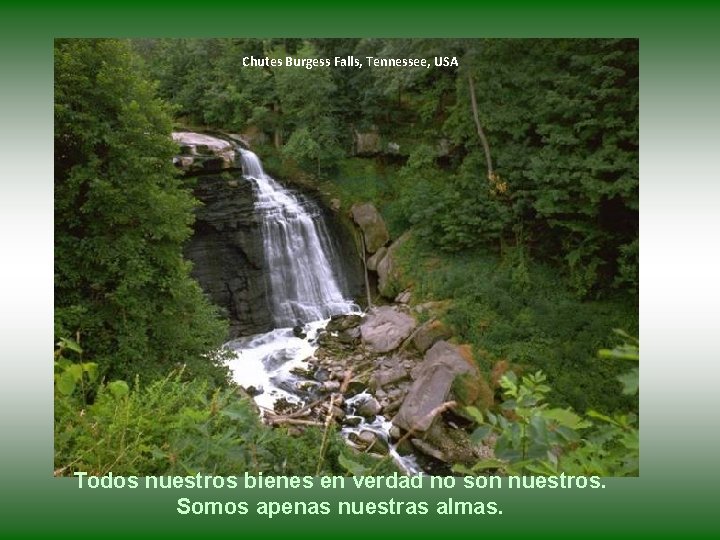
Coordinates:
(266,361)
(303,290)
(302,284)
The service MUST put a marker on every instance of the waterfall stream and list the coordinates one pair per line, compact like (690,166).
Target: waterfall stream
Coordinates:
(303,285)
(304,291)
(303,288)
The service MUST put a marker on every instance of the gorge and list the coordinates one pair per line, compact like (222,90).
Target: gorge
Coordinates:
(286,275)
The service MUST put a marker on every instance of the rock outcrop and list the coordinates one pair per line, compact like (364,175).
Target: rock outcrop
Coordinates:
(372,226)
(368,143)
(389,278)
(433,379)
(227,253)
(385,328)
(430,333)
(201,153)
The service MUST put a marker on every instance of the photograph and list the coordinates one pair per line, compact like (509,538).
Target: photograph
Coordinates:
(307,257)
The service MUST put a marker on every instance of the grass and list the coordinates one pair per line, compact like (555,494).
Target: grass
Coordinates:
(535,324)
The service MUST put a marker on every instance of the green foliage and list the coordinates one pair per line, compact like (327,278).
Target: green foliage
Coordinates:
(561,117)
(121,217)
(177,427)
(517,311)
(529,437)
(628,351)
(68,374)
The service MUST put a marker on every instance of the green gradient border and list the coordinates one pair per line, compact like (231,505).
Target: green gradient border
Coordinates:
(679,261)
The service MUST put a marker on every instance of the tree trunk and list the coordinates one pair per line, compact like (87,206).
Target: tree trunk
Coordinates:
(481,133)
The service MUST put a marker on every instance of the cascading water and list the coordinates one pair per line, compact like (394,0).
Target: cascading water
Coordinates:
(303,288)
(304,291)
(302,284)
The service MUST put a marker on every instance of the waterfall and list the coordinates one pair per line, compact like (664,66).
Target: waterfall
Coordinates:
(302,284)
(303,290)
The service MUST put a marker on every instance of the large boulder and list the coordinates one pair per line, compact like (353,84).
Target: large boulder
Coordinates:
(374,260)
(200,152)
(388,271)
(449,445)
(430,333)
(387,376)
(372,225)
(385,328)
(433,380)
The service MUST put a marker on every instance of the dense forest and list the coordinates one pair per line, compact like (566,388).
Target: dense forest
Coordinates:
(506,171)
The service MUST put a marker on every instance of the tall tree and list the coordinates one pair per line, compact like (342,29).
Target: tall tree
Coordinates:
(121,217)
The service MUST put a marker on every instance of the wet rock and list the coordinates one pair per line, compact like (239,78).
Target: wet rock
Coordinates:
(307,386)
(299,331)
(337,413)
(322,375)
(338,323)
(387,376)
(395,433)
(227,254)
(352,421)
(385,328)
(404,448)
(355,386)
(366,440)
(253,391)
(368,407)
(372,225)
(346,338)
(433,380)
(330,386)
(393,406)
(302,372)
(430,333)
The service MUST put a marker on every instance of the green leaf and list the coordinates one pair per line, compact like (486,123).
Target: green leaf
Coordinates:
(75,371)
(462,469)
(566,417)
(353,467)
(604,418)
(630,382)
(623,352)
(66,383)
(486,464)
(91,369)
(475,414)
(118,389)
(480,433)
(69,344)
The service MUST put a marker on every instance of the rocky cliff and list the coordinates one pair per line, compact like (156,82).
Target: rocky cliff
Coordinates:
(227,253)
(226,248)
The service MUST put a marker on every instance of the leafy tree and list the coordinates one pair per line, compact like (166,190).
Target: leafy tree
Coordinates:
(563,119)
(121,217)
(306,101)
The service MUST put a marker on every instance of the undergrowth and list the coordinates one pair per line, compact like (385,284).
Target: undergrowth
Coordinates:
(528,318)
